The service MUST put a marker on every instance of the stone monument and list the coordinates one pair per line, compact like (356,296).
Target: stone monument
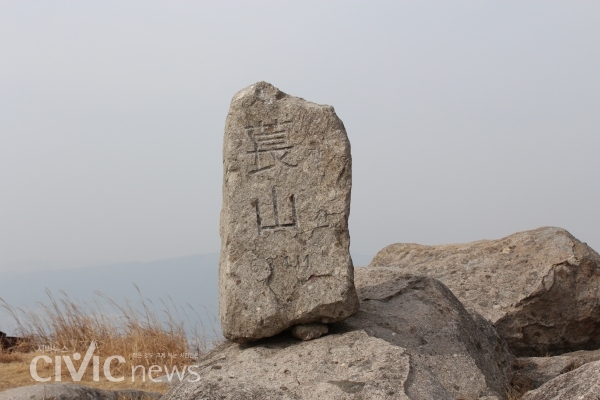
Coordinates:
(287,178)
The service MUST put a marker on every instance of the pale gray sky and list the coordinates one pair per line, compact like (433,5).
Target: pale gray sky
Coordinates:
(467,119)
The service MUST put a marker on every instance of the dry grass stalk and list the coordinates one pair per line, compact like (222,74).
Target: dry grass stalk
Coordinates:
(144,338)
(10,357)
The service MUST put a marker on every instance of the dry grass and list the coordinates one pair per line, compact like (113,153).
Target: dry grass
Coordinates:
(16,374)
(143,338)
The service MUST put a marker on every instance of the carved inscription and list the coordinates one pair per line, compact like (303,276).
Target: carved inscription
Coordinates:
(270,145)
(262,271)
(280,213)
(284,222)
(287,262)
(322,219)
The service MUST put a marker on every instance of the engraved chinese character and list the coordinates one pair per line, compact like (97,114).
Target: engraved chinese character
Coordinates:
(276,214)
(270,146)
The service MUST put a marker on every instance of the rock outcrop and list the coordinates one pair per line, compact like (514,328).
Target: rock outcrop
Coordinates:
(581,384)
(539,288)
(446,344)
(284,223)
(69,391)
(412,339)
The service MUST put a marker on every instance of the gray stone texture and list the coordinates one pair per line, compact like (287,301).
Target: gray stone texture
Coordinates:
(580,384)
(351,365)
(539,288)
(284,223)
(533,372)
(459,353)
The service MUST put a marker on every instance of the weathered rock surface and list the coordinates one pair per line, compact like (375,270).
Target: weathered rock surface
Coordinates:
(539,288)
(581,384)
(69,391)
(533,372)
(344,366)
(411,339)
(284,223)
(460,351)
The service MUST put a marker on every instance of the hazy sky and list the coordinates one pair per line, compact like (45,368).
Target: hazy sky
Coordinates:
(467,120)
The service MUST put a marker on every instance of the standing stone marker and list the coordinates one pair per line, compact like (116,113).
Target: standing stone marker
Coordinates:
(284,224)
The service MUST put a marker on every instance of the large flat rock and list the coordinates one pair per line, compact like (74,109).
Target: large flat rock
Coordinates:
(284,223)
(412,339)
(343,366)
(539,288)
(460,351)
